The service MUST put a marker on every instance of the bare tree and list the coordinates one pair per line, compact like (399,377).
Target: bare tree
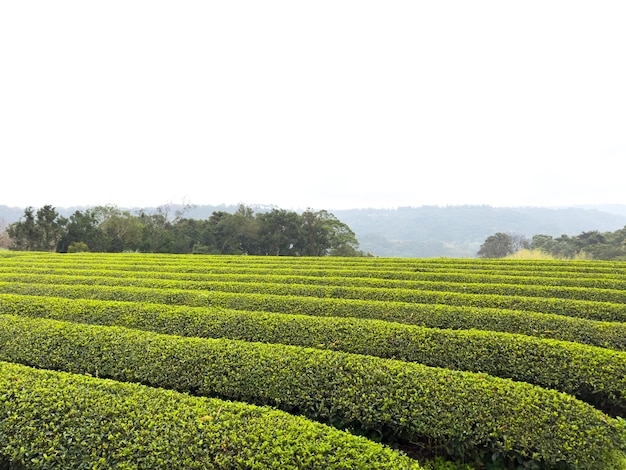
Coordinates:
(5,241)
(519,242)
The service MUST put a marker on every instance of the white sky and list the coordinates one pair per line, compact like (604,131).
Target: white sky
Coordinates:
(323,104)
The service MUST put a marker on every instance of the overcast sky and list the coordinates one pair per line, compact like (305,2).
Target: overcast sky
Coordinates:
(323,104)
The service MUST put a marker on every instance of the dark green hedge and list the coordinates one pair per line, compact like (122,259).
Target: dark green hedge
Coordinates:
(55,420)
(463,413)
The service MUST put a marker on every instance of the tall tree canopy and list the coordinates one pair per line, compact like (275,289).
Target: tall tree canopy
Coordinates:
(107,228)
(592,244)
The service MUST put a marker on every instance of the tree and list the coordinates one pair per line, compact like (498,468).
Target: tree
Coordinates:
(24,233)
(543,243)
(280,233)
(316,233)
(224,228)
(193,236)
(499,245)
(40,231)
(122,231)
(83,227)
(156,236)
(110,229)
(5,240)
(519,242)
(51,226)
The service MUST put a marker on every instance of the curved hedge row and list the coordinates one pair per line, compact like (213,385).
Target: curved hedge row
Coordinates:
(611,335)
(507,265)
(595,375)
(467,414)
(489,295)
(335,276)
(601,311)
(60,420)
(322,285)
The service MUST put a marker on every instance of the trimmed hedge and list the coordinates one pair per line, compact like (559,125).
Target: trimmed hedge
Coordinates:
(395,268)
(459,281)
(599,309)
(60,420)
(466,414)
(595,375)
(548,299)
(380,309)
(143,315)
(366,265)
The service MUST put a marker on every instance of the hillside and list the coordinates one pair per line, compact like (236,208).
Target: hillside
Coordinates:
(433,231)
(458,231)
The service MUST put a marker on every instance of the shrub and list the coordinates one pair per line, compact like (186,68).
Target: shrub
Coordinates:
(465,414)
(60,420)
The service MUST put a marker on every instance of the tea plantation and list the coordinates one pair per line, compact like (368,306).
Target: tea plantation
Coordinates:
(181,361)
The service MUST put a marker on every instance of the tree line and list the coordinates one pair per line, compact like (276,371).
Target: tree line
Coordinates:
(593,245)
(110,229)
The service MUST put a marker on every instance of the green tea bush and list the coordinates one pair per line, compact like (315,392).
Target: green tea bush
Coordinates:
(598,308)
(468,415)
(52,420)
(384,310)
(595,375)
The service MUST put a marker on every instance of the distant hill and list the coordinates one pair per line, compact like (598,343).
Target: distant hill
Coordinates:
(434,231)
(458,231)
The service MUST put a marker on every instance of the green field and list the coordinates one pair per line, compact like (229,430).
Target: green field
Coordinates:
(183,361)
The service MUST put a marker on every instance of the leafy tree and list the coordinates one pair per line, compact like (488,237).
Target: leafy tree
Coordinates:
(156,236)
(499,245)
(343,241)
(122,231)
(565,247)
(317,230)
(543,243)
(593,244)
(51,226)
(225,232)
(83,227)
(109,229)
(24,233)
(281,233)
(39,231)
(193,236)
(246,230)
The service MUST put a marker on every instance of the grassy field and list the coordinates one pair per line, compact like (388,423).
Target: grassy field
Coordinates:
(168,361)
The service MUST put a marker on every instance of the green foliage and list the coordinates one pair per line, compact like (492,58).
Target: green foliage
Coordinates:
(594,244)
(595,375)
(593,304)
(82,227)
(37,232)
(438,316)
(59,420)
(77,247)
(462,413)
(109,229)
(499,245)
(353,342)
